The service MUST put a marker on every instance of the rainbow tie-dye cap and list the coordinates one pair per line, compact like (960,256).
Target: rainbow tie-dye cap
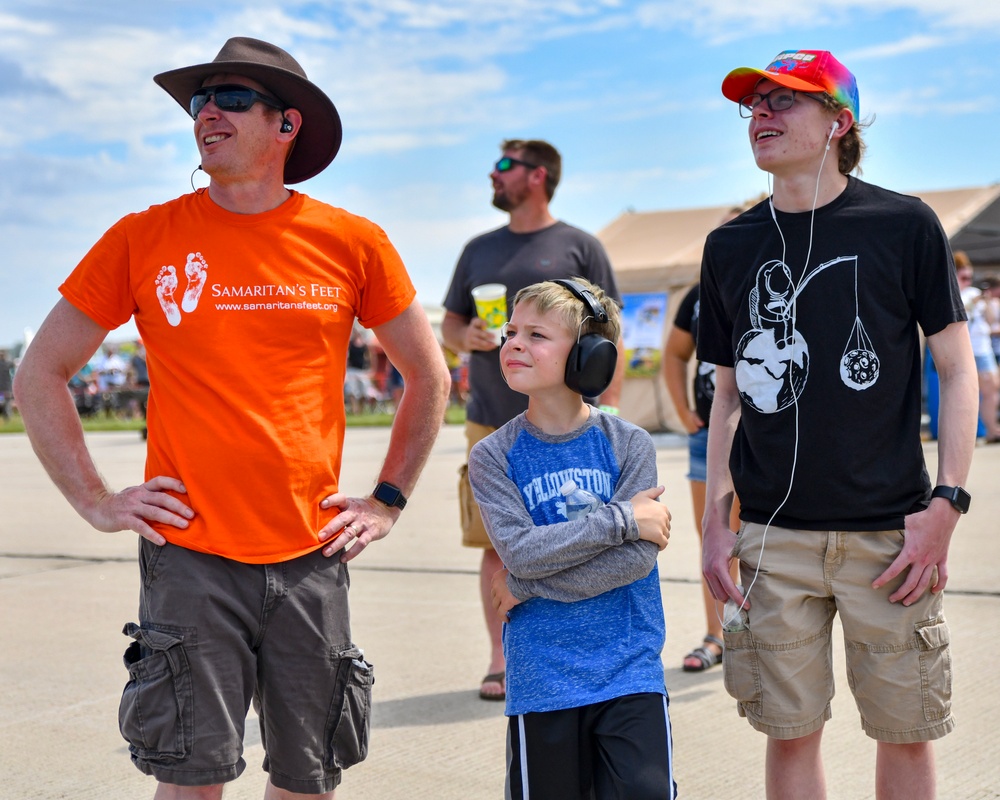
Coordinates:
(802,70)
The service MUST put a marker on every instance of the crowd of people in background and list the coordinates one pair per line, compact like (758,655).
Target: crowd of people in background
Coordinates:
(6,382)
(373,385)
(982,304)
(115,382)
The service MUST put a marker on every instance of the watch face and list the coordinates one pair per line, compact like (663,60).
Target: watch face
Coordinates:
(389,494)
(955,495)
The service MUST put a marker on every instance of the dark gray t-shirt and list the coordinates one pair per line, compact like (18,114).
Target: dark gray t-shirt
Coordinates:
(518,260)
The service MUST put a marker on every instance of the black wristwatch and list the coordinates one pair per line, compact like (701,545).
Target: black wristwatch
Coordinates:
(389,495)
(955,495)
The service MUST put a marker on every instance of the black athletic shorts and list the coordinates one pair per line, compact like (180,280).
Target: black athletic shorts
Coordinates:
(620,749)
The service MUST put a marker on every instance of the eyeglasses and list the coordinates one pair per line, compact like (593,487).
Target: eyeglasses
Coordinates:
(231,97)
(779,99)
(506,164)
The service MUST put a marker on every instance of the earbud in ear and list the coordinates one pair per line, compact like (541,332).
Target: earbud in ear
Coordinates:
(286,126)
(829,138)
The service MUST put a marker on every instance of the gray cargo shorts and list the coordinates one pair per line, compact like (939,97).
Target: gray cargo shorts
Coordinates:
(215,635)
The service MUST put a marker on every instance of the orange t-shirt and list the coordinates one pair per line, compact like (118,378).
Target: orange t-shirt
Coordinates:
(246,321)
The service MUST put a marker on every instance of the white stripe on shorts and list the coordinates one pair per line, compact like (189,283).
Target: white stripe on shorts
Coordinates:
(523,756)
(670,752)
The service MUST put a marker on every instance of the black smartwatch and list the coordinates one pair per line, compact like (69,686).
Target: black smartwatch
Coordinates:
(955,495)
(389,495)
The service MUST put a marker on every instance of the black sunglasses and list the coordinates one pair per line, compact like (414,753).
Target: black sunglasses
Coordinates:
(506,164)
(231,97)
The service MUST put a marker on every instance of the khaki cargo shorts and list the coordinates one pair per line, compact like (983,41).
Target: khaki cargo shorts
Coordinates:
(779,669)
(473,530)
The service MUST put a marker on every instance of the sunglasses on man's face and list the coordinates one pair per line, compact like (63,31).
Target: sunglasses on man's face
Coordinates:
(506,164)
(230,97)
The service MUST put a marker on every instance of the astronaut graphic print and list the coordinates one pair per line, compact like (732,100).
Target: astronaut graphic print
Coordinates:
(822,318)
(772,359)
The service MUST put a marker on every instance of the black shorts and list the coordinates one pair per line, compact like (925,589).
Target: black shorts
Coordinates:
(620,749)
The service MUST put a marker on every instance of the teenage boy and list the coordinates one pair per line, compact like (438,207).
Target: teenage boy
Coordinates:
(810,307)
(586,701)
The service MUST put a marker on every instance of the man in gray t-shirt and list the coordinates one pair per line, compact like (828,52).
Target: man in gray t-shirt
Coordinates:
(533,247)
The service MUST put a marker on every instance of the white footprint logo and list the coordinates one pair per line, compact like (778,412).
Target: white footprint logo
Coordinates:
(196,270)
(166,285)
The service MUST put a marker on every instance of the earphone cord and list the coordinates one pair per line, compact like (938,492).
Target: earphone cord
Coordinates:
(795,396)
(199,189)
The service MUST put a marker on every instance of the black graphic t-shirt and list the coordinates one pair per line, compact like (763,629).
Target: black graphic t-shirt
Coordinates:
(704,377)
(826,355)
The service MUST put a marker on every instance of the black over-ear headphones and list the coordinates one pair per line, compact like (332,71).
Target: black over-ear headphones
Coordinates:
(286,126)
(592,361)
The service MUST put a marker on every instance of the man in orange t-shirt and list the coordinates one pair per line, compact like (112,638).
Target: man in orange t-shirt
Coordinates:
(245,296)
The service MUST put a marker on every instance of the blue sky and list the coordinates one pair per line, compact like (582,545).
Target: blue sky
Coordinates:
(628,91)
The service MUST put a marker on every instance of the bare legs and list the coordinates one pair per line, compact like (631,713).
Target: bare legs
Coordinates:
(170,791)
(713,608)
(794,770)
(905,772)
(494,627)
(989,401)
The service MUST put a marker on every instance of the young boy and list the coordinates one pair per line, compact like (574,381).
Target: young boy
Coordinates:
(586,700)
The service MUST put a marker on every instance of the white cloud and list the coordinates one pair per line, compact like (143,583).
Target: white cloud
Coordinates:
(911,44)
(11,23)
(624,86)
(724,20)
(398,142)
(919,102)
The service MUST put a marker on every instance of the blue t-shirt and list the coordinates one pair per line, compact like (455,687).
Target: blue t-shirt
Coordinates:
(590,627)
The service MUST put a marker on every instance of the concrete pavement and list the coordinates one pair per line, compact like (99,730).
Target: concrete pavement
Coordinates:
(66,590)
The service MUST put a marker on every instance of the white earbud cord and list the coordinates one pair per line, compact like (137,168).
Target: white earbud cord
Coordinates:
(795,396)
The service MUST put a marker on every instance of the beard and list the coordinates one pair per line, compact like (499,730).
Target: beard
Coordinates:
(507,199)
(502,202)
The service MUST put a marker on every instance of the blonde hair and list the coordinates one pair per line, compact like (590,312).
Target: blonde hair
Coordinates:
(551,296)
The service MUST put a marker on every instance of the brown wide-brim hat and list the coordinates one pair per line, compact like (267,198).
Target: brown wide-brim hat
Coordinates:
(321,133)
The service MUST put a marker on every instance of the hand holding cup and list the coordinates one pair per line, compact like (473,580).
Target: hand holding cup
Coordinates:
(491,306)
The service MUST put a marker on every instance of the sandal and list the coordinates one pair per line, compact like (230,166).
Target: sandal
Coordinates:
(494,677)
(706,657)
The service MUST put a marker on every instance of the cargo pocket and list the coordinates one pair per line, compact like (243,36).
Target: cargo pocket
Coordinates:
(933,640)
(740,670)
(349,724)
(156,713)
